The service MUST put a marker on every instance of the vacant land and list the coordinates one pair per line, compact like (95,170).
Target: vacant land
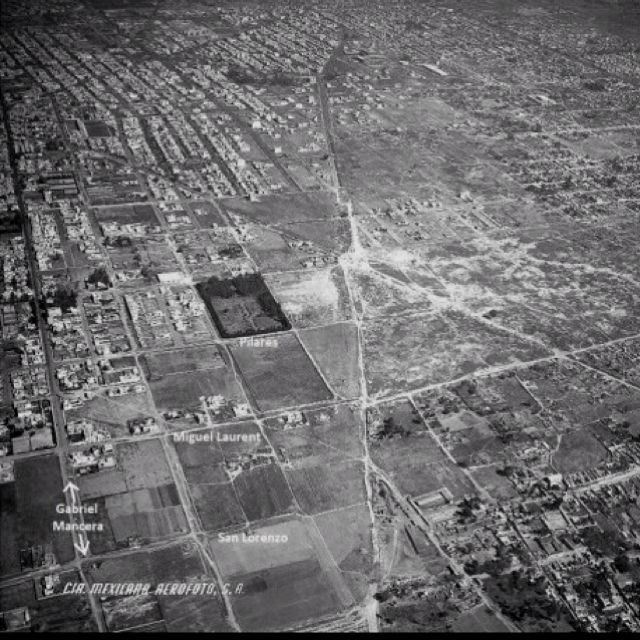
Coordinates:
(311,298)
(412,351)
(135,214)
(114,413)
(62,613)
(480,620)
(285,208)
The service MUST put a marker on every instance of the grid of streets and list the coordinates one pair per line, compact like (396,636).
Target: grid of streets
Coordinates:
(320,316)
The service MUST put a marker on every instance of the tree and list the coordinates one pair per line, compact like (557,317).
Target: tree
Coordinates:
(64,298)
(622,563)
(100,275)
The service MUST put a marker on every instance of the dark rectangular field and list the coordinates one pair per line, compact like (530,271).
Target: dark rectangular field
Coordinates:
(28,513)
(242,306)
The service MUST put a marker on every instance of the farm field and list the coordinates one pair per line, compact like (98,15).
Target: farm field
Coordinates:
(348,536)
(334,348)
(279,376)
(327,436)
(28,509)
(138,498)
(170,564)
(293,582)
(180,378)
(263,492)
(231,475)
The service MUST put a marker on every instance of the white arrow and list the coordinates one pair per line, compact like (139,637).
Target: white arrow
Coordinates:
(73,488)
(83,546)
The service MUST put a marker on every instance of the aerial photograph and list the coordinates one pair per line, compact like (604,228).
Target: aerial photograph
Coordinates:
(320,316)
